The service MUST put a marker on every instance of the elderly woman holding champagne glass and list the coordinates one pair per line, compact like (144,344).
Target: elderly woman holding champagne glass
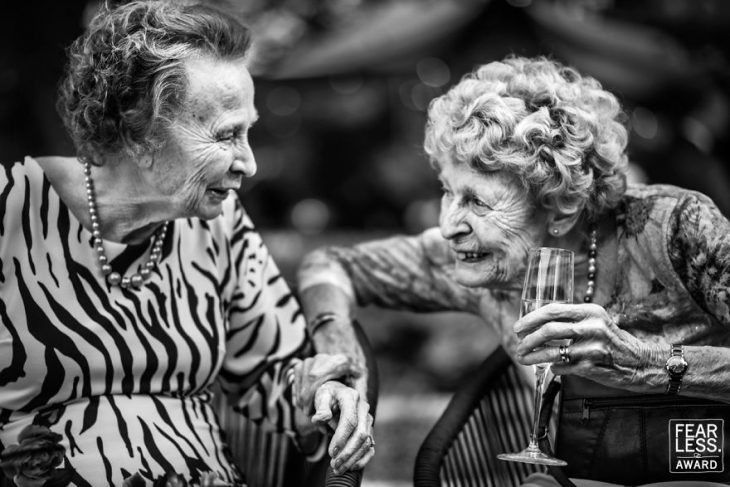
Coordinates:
(531,153)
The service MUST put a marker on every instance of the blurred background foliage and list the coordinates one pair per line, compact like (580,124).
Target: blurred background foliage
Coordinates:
(342,89)
(343,86)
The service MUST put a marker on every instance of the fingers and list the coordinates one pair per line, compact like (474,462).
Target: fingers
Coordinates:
(360,464)
(352,445)
(360,447)
(323,413)
(207,479)
(548,333)
(556,312)
(546,355)
(565,358)
(297,384)
(562,322)
(315,371)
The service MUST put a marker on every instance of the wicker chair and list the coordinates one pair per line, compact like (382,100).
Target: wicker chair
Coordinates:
(489,415)
(271,460)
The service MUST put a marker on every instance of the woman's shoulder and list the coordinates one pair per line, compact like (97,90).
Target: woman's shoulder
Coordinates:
(20,177)
(638,193)
(12,168)
(656,202)
(35,169)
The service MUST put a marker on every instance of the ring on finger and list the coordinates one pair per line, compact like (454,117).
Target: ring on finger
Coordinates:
(370,441)
(564,354)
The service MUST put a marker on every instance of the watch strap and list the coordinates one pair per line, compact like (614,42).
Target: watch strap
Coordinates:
(675,380)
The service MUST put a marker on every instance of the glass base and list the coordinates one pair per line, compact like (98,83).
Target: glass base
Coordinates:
(533,455)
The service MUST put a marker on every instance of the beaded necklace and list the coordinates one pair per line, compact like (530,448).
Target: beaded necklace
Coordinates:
(112,277)
(592,253)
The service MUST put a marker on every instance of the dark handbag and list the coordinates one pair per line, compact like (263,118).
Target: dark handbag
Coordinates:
(621,437)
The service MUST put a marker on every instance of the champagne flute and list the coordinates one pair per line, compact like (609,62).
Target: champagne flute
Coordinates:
(549,279)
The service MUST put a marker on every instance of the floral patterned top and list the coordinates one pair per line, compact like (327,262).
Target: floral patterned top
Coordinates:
(671,286)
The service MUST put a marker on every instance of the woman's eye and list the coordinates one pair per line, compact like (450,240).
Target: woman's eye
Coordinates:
(230,136)
(481,204)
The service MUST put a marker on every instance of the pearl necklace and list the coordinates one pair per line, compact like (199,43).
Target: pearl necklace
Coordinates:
(112,277)
(592,253)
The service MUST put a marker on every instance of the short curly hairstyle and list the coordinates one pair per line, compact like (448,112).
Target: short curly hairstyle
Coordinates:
(125,79)
(560,133)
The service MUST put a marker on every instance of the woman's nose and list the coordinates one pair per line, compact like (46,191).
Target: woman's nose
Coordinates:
(453,223)
(244,162)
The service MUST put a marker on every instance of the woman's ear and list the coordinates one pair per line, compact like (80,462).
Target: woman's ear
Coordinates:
(560,224)
(147,159)
(141,156)
(144,159)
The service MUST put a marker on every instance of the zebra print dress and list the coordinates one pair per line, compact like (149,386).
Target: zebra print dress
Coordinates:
(123,375)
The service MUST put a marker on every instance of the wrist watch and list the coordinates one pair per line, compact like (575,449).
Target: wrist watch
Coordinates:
(676,368)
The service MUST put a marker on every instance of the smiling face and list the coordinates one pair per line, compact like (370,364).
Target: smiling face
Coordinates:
(490,224)
(207,153)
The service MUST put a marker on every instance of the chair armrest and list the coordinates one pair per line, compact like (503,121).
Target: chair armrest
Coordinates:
(488,415)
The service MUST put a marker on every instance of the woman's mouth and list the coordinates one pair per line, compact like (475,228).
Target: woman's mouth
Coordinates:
(472,256)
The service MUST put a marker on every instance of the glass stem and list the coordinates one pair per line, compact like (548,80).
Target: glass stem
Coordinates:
(539,379)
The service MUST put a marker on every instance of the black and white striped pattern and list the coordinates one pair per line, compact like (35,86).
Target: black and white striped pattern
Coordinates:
(124,375)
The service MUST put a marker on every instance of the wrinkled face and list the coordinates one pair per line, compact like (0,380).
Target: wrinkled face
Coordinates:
(207,153)
(490,224)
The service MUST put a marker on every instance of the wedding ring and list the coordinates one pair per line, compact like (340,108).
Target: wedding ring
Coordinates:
(564,354)
(370,441)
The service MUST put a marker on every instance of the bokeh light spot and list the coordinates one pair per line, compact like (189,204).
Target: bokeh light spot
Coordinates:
(283,100)
(310,216)
(644,123)
(433,72)
(346,85)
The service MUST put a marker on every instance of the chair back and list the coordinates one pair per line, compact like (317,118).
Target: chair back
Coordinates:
(488,415)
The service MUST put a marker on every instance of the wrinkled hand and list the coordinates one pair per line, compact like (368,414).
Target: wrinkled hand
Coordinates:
(314,371)
(210,479)
(599,350)
(346,412)
(338,336)
(320,394)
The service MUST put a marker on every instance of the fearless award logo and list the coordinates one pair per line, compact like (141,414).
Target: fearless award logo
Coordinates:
(695,446)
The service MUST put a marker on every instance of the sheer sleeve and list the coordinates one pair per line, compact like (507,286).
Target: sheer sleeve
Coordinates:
(699,248)
(265,333)
(401,272)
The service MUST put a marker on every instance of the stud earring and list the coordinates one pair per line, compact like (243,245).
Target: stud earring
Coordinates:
(555,231)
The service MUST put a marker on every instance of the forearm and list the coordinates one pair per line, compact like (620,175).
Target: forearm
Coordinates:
(327,302)
(708,374)
(328,310)
(402,273)
(323,299)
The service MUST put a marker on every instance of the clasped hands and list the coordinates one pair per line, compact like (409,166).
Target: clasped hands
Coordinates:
(322,398)
(598,349)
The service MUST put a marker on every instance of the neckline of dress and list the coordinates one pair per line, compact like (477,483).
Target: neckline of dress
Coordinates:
(114,248)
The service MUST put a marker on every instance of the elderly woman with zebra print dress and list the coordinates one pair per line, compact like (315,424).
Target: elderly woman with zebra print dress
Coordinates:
(131,278)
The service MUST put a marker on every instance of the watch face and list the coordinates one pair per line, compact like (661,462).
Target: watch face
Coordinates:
(676,365)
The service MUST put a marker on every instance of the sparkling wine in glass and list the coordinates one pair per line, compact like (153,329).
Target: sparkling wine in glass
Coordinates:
(549,279)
